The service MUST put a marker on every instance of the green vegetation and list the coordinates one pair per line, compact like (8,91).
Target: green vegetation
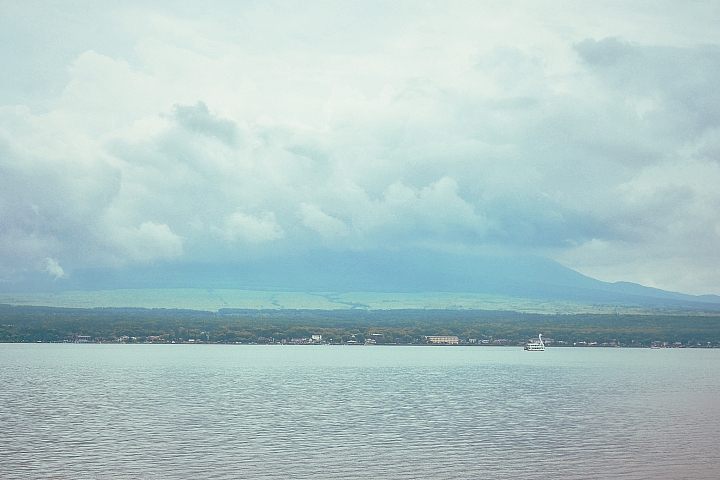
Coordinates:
(46,324)
(215,299)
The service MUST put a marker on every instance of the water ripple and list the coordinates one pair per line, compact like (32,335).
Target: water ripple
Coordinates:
(118,411)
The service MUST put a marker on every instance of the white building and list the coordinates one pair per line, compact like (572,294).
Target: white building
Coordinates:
(443,339)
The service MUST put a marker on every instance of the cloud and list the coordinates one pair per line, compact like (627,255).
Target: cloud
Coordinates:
(605,52)
(433,212)
(327,226)
(146,243)
(242,227)
(53,268)
(199,119)
(173,138)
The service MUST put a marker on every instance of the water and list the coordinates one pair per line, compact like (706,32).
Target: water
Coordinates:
(212,411)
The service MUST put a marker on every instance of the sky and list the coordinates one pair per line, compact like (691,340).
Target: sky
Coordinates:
(158,132)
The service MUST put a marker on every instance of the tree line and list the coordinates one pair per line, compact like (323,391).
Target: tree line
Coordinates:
(46,324)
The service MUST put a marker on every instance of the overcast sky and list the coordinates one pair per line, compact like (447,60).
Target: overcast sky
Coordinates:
(588,132)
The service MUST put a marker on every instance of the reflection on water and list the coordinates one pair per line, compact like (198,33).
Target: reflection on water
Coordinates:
(195,411)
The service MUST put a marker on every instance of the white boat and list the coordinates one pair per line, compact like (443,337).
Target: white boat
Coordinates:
(535,345)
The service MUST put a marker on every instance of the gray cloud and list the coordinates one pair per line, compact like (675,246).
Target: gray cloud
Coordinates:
(606,52)
(198,119)
(681,79)
(469,128)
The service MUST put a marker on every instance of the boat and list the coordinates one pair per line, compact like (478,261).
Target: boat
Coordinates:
(535,345)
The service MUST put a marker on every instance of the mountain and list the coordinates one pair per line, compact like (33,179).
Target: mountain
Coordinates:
(412,271)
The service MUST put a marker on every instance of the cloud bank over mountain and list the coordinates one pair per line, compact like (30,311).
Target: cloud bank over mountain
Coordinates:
(186,134)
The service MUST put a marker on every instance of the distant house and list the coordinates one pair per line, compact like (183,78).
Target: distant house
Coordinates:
(316,338)
(442,339)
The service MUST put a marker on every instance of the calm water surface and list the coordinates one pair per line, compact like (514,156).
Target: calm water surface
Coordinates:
(212,411)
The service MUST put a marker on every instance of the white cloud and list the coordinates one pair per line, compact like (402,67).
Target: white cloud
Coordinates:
(662,231)
(327,226)
(242,227)
(432,212)
(146,243)
(53,268)
(552,129)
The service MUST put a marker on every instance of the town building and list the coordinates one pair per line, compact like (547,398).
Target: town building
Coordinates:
(443,339)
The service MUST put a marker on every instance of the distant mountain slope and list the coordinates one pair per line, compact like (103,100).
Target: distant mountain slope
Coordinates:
(412,271)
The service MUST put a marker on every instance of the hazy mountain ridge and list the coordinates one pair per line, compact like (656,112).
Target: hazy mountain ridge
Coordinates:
(415,271)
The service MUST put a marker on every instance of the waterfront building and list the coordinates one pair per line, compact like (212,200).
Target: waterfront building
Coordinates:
(443,339)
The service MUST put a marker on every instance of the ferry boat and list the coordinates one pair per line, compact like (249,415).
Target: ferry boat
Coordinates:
(535,345)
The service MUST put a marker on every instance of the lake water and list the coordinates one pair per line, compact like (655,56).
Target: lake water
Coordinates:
(216,411)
